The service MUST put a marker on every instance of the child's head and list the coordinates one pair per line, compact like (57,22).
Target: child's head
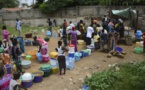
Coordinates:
(16,75)
(35,38)
(4,27)
(59,43)
(15,42)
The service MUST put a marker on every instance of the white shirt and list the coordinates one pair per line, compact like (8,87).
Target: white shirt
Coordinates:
(12,84)
(61,31)
(71,25)
(18,25)
(60,51)
(106,19)
(90,30)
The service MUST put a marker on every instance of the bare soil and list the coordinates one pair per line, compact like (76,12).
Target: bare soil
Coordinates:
(73,79)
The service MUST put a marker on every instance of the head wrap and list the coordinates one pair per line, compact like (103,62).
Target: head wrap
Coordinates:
(73,28)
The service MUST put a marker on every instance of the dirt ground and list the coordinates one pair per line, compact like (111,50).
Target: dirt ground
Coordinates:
(73,79)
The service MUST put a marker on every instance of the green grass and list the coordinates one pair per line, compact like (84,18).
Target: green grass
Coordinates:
(129,77)
(25,29)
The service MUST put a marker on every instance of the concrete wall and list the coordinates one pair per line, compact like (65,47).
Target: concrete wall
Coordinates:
(36,17)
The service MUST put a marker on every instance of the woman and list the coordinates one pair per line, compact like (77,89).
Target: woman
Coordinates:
(5,33)
(6,46)
(4,80)
(73,34)
(43,49)
(16,55)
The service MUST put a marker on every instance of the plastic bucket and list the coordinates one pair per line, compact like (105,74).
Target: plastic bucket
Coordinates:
(27,84)
(71,48)
(39,57)
(71,55)
(85,87)
(77,58)
(53,63)
(33,54)
(138,50)
(38,76)
(28,57)
(54,70)
(119,49)
(8,68)
(82,54)
(48,33)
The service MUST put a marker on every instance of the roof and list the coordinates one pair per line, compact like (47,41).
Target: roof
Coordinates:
(12,9)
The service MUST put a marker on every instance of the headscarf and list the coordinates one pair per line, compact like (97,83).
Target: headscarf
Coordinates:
(73,28)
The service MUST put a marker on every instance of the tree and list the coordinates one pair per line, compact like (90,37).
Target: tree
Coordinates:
(8,3)
(38,3)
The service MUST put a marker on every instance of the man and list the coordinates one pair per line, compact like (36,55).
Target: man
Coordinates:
(18,26)
(90,30)
(71,24)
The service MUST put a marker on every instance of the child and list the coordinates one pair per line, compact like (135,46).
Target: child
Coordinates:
(14,85)
(143,42)
(96,40)
(16,53)
(102,39)
(61,33)
(61,57)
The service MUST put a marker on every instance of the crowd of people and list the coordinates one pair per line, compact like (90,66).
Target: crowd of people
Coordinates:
(95,36)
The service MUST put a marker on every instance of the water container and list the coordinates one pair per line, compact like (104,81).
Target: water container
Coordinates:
(89,51)
(138,34)
(85,87)
(86,53)
(28,57)
(70,63)
(138,50)
(53,63)
(82,54)
(141,43)
(48,33)
(39,56)
(77,56)
(71,55)
(137,44)
(71,48)
(27,42)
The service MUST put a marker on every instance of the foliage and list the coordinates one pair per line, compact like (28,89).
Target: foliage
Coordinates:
(38,3)
(103,80)
(129,77)
(54,5)
(8,3)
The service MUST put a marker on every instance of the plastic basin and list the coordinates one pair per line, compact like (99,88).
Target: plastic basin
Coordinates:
(28,57)
(138,50)
(26,64)
(38,76)
(119,49)
(80,42)
(33,54)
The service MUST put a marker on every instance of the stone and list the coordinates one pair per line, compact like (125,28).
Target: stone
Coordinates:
(109,55)
(117,68)
(109,65)
(88,75)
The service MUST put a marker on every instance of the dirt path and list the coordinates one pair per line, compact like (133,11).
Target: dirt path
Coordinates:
(96,62)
